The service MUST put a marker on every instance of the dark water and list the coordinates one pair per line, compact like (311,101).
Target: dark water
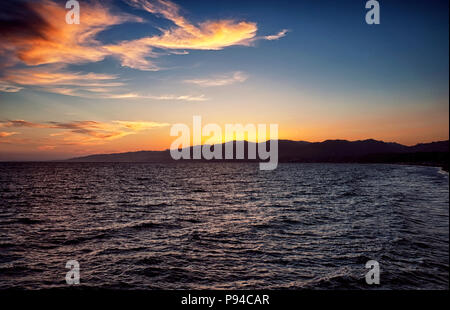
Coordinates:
(215,225)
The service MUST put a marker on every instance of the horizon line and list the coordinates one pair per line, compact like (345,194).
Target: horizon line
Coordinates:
(201,145)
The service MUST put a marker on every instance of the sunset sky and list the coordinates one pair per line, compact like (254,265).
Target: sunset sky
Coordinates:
(117,81)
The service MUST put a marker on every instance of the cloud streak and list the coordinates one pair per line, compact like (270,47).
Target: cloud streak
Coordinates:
(55,76)
(159,97)
(228,79)
(4,134)
(277,36)
(83,132)
(54,79)
(9,88)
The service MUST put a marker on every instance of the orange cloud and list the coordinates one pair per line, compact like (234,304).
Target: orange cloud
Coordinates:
(138,126)
(53,79)
(46,147)
(4,134)
(41,35)
(209,35)
(54,76)
(20,123)
(86,132)
(52,40)
(37,34)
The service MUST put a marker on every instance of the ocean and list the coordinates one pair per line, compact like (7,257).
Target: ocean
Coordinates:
(223,225)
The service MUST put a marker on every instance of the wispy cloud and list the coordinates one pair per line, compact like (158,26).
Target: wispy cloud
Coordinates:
(9,88)
(157,97)
(20,123)
(222,80)
(181,98)
(4,134)
(57,76)
(277,36)
(84,132)
(137,126)
(55,79)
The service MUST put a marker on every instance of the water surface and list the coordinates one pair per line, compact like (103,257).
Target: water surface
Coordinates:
(223,225)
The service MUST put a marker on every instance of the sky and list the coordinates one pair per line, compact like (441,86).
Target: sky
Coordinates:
(130,69)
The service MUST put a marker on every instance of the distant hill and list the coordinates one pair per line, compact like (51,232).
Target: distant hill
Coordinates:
(435,153)
(140,156)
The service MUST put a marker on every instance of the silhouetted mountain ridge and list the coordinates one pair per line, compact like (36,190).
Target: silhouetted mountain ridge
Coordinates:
(434,153)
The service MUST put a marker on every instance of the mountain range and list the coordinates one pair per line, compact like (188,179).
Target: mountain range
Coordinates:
(361,151)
